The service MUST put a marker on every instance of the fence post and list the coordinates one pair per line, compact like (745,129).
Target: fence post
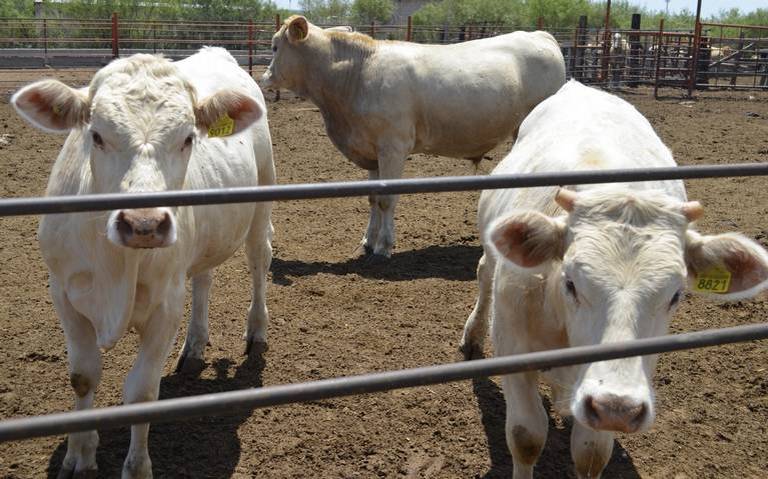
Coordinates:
(469,32)
(737,58)
(696,45)
(250,46)
(634,52)
(658,60)
(373,29)
(540,23)
(45,40)
(606,43)
(115,37)
(277,21)
(409,30)
(581,40)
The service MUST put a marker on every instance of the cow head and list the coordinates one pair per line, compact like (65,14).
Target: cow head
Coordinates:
(618,264)
(138,122)
(288,54)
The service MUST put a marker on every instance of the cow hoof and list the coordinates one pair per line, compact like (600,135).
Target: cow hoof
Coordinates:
(255,348)
(471,351)
(86,474)
(190,366)
(66,472)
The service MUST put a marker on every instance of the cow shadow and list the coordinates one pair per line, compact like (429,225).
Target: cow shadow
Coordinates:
(555,461)
(179,449)
(454,262)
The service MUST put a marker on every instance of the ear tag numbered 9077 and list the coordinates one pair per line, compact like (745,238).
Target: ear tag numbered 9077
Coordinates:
(714,280)
(224,126)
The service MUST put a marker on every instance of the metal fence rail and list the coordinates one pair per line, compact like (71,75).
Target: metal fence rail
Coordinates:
(235,401)
(103,202)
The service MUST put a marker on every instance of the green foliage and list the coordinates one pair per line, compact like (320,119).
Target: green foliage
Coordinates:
(326,11)
(367,11)
(17,8)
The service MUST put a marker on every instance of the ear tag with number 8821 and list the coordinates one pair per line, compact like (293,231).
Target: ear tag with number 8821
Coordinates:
(713,280)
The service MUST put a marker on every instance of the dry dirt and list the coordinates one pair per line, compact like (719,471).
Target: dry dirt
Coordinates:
(335,314)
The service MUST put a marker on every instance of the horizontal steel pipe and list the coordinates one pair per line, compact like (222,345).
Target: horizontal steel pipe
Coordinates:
(235,401)
(71,204)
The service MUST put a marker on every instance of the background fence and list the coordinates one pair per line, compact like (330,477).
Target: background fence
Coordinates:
(709,56)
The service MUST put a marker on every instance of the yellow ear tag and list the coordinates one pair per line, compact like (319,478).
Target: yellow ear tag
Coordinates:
(713,280)
(224,126)
(56,110)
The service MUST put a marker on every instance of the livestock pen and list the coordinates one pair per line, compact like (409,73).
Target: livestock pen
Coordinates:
(336,315)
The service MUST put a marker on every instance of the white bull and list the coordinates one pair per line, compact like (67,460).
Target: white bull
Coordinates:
(383,100)
(147,124)
(589,265)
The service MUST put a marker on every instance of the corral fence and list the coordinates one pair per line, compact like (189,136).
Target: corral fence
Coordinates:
(710,55)
(235,401)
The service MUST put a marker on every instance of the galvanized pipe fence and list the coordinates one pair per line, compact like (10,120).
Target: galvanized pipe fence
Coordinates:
(234,401)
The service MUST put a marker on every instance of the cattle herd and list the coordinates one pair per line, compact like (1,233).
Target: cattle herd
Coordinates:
(581,265)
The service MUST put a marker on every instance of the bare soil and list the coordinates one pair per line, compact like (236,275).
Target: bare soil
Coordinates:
(335,314)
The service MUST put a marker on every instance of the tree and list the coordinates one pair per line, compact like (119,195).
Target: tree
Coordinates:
(367,11)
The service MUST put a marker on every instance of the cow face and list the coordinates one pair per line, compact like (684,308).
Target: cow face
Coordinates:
(617,267)
(288,46)
(138,123)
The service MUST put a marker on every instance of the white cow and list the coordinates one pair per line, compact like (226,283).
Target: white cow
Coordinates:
(592,264)
(382,100)
(147,124)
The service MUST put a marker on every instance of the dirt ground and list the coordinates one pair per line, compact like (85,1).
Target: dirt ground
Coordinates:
(334,314)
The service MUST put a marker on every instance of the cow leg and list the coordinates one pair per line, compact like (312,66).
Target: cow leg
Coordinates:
(192,354)
(258,249)
(143,381)
(390,167)
(374,220)
(527,422)
(477,324)
(590,450)
(84,373)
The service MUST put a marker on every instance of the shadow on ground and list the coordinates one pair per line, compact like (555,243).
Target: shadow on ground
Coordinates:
(555,460)
(454,262)
(176,447)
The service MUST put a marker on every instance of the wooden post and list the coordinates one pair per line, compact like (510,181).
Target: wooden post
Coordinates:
(250,46)
(45,40)
(409,30)
(658,59)
(115,37)
(606,43)
(696,45)
(634,52)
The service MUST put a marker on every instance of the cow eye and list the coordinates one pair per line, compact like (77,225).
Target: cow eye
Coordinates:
(97,140)
(675,299)
(571,288)
(274,48)
(188,141)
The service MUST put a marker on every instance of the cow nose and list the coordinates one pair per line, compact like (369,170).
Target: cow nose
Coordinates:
(610,412)
(144,228)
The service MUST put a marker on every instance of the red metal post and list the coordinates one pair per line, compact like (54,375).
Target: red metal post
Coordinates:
(277,21)
(409,30)
(540,23)
(115,37)
(695,56)
(373,29)
(658,59)
(606,43)
(250,46)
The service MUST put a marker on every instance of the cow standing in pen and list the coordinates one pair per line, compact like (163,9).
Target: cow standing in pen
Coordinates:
(146,124)
(383,100)
(592,264)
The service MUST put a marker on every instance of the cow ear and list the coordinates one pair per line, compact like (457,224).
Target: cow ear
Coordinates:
(528,239)
(298,29)
(52,106)
(727,266)
(227,112)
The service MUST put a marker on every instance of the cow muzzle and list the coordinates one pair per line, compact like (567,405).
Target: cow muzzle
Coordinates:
(610,412)
(266,82)
(142,228)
